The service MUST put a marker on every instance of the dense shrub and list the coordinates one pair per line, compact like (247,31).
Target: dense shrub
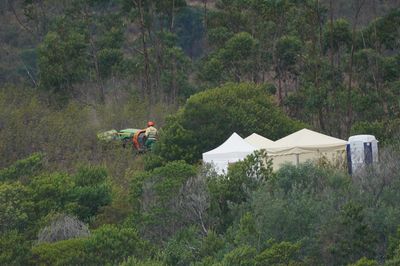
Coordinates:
(107,245)
(156,197)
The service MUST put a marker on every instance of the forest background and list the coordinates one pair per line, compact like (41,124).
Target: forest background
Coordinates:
(202,70)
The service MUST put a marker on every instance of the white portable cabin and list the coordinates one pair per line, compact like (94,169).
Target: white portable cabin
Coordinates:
(232,150)
(362,150)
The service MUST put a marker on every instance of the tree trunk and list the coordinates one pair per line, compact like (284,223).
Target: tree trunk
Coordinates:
(205,14)
(172,16)
(146,84)
(349,89)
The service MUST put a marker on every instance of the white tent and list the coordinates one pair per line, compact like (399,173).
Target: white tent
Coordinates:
(259,141)
(305,145)
(232,150)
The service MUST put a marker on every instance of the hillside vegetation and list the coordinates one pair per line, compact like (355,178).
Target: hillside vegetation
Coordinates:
(201,70)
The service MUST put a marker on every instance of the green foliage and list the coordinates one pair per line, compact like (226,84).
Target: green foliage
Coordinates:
(235,60)
(340,34)
(183,248)
(22,168)
(236,187)
(67,252)
(152,161)
(247,233)
(383,31)
(91,191)
(14,249)
(107,245)
(51,193)
(15,207)
(300,200)
(29,126)
(156,195)
(288,50)
(218,36)
(115,64)
(309,178)
(283,253)
(62,61)
(132,261)
(240,256)
(110,244)
(365,262)
(26,207)
(356,239)
(211,245)
(190,30)
(395,260)
(108,58)
(209,117)
(176,68)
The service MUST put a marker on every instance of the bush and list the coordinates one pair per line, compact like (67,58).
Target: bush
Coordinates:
(283,253)
(67,252)
(365,262)
(14,249)
(240,256)
(183,248)
(156,198)
(15,207)
(110,244)
(91,191)
(51,193)
(107,245)
(132,261)
(23,168)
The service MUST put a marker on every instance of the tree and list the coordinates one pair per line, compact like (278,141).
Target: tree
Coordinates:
(22,168)
(341,36)
(287,53)
(107,245)
(237,59)
(14,249)
(283,253)
(156,197)
(240,256)
(15,207)
(382,33)
(356,238)
(110,244)
(91,191)
(195,200)
(247,234)
(209,117)
(365,262)
(183,248)
(62,61)
(51,193)
(66,252)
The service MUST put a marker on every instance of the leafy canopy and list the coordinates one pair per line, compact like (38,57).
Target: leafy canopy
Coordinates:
(210,117)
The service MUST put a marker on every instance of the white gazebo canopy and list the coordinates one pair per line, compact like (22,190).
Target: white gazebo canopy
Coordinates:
(304,141)
(232,150)
(259,141)
(305,145)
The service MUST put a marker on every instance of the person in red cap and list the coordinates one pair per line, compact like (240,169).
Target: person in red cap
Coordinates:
(151,135)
